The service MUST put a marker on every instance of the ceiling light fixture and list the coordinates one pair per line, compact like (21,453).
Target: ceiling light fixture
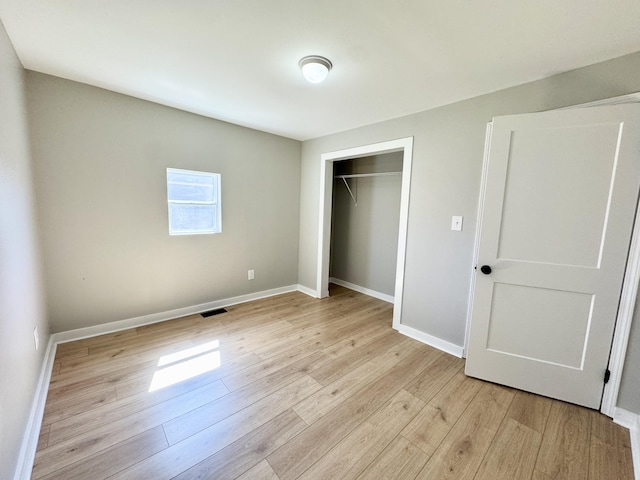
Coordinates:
(315,68)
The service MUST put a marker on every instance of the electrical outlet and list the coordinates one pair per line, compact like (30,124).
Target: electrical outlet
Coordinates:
(251,274)
(36,337)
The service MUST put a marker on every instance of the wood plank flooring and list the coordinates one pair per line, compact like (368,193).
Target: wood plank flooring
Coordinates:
(291,387)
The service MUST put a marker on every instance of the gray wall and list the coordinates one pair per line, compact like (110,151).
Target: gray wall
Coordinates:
(100,170)
(447,162)
(21,292)
(364,238)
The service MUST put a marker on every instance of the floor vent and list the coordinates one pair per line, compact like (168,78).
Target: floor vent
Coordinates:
(217,311)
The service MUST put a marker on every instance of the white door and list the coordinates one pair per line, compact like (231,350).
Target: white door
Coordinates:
(560,199)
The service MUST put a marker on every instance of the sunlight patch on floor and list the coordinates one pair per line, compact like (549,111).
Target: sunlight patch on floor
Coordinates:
(188,353)
(186,364)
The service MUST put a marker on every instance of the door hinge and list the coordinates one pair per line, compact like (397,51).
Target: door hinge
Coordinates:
(607,375)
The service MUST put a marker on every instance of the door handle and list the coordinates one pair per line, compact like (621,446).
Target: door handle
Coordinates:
(486,269)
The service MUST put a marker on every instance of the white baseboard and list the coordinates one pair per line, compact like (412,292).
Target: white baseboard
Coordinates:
(32,432)
(430,340)
(405,330)
(308,291)
(367,291)
(632,422)
(87,332)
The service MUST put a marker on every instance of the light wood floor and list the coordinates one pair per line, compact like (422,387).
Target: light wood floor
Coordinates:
(309,389)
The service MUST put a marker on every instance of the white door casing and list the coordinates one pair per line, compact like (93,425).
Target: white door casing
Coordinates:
(404,145)
(560,199)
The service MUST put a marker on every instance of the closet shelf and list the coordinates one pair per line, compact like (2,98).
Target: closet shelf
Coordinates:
(361,175)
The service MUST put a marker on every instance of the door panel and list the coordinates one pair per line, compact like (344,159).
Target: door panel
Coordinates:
(520,313)
(559,155)
(560,198)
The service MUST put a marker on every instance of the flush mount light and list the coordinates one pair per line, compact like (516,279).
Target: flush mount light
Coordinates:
(315,68)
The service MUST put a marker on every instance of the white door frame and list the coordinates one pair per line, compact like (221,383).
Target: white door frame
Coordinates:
(629,286)
(476,244)
(404,145)
(627,297)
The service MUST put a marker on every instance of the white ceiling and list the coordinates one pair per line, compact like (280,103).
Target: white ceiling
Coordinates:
(237,60)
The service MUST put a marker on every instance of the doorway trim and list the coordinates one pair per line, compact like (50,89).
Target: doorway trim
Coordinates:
(622,329)
(404,145)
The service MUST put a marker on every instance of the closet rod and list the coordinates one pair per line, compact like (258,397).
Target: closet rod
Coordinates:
(360,175)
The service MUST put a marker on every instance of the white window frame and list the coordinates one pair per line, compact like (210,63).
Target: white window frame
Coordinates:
(216,204)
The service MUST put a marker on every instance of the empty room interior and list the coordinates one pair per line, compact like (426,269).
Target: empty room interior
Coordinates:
(319,240)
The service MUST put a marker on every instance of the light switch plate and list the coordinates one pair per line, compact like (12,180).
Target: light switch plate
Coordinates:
(456,223)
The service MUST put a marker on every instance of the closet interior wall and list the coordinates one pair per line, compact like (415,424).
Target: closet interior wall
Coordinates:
(364,227)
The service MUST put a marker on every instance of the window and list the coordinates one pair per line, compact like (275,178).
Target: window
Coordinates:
(194,202)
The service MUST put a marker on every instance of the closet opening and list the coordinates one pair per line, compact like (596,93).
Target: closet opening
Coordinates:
(385,161)
(364,224)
